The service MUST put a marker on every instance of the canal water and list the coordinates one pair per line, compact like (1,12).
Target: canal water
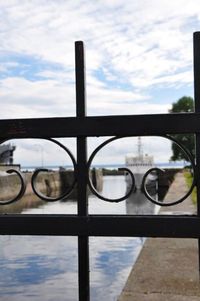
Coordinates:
(45,268)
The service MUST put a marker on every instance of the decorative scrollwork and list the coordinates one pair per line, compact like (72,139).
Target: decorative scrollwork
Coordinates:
(170,203)
(68,191)
(34,178)
(144,181)
(131,187)
(22,188)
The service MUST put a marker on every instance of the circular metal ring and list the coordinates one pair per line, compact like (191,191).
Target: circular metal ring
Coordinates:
(68,191)
(171,203)
(92,188)
(22,189)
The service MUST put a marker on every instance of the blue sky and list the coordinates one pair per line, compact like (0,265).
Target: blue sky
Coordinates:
(139,55)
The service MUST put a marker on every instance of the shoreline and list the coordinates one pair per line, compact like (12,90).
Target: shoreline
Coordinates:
(166,269)
(50,184)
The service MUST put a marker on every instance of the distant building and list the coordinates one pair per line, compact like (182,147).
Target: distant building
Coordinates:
(139,165)
(6,153)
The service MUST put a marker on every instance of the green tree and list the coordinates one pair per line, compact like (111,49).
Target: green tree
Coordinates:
(184,104)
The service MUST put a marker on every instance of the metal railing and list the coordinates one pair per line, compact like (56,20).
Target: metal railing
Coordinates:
(81,127)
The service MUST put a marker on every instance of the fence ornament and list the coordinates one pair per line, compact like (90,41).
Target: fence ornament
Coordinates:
(129,191)
(92,188)
(22,187)
(192,162)
(68,191)
(84,225)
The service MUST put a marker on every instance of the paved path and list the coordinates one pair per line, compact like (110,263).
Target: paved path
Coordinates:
(166,269)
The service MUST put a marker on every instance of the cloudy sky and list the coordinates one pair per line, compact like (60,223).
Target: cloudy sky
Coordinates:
(139,55)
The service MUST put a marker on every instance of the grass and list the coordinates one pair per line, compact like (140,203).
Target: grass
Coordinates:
(189,178)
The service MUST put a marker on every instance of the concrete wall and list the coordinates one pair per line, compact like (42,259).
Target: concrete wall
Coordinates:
(49,183)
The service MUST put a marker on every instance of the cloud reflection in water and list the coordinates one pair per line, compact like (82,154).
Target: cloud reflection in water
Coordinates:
(45,268)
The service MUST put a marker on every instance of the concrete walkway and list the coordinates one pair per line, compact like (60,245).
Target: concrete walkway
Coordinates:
(166,269)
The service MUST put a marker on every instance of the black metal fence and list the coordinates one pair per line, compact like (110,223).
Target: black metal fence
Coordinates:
(84,225)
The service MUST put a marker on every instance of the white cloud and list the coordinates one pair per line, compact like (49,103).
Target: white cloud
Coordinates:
(22,98)
(115,152)
(123,35)
(132,49)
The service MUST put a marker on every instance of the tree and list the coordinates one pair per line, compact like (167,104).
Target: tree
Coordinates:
(184,104)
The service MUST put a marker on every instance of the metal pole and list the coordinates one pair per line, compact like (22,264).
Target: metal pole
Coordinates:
(83,243)
(196,41)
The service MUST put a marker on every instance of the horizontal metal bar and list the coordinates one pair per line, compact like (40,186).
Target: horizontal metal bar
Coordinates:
(128,125)
(97,225)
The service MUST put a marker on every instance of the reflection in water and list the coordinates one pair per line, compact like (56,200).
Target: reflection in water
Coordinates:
(45,268)
(38,268)
(138,204)
(111,262)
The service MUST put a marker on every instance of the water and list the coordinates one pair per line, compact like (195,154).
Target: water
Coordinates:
(45,268)
(171,164)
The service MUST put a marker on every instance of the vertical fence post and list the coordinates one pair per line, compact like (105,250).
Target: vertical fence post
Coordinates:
(83,241)
(196,41)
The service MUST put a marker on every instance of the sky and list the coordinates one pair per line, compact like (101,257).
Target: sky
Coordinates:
(139,57)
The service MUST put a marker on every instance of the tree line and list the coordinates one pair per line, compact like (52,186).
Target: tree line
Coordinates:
(184,105)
